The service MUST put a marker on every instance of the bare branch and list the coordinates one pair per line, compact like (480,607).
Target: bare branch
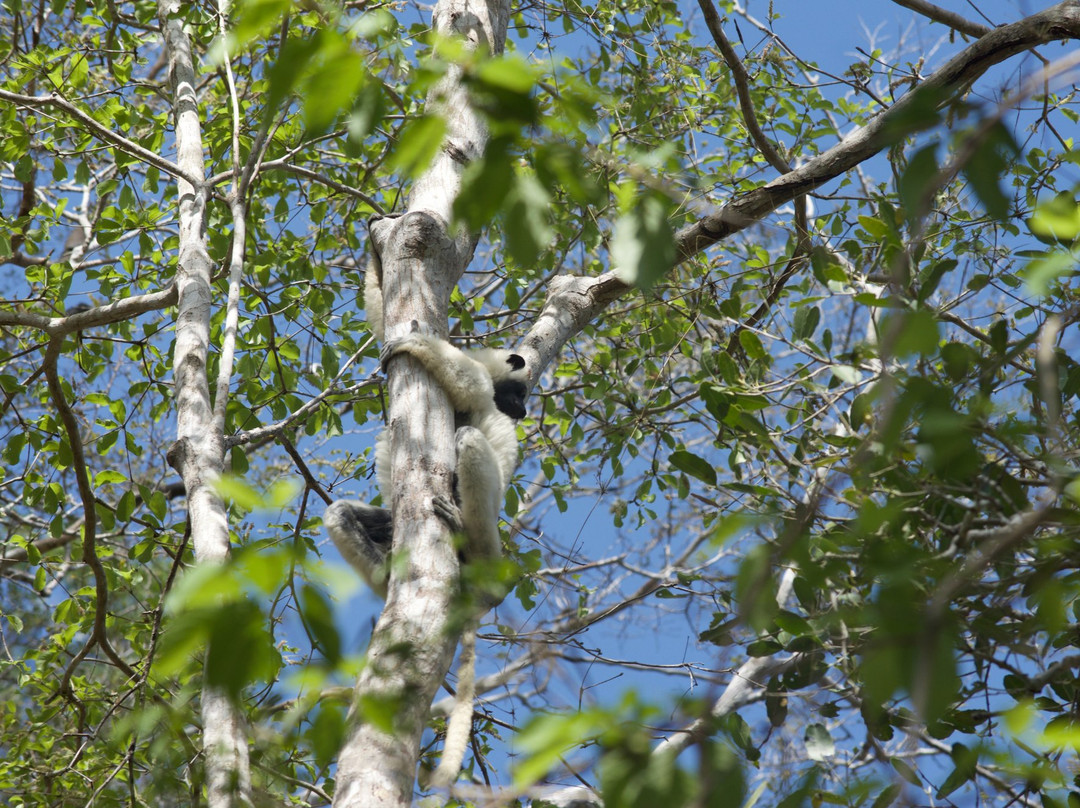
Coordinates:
(945,17)
(742,87)
(101,130)
(89,527)
(113,312)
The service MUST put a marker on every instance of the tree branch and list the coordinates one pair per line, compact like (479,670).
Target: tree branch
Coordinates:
(945,17)
(742,87)
(575,301)
(89,527)
(113,312)
(101,130)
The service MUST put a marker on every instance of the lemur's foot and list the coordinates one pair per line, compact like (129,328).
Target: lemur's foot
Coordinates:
(446,510)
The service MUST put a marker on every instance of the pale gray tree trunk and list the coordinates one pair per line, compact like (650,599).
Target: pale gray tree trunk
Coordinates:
(413,643)
(198,452)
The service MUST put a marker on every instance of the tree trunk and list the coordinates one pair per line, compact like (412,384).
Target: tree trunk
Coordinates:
(413,643)
(198,452)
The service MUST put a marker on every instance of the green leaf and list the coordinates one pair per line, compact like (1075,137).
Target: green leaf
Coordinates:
(375,23)
(503,89)
(875,227)
(944,685)
(255,18)
(912,332)
(33,554)
(421,140)
(369,108)
(805,794)
(793,624)
(695,466)
(847,374)
(238,491)
(721,769)
(751,343)
(763,648)
(931,277)
(291,64)
(905,771)
(819,743)
(109,477)
(643,244)
(327,733)
(776,703)
(13,448)
(735,727)
(919,110)
(626,779)
(331,87)
(319,618)
(915,184)
(861,411)
(1041,273)
(888,796)
(528,228)
(1072,490)
(561,168)
(965,761)
(826,267)
(79,71)
(485,185)
(126,506)
(203,587)
(716,398)
(182,641)
(757,601)
(1063,733)
(988,163)
(547,738)
(282,492)
(241,651)
(242,495)
(379,710)
(1056,221)
(806,321)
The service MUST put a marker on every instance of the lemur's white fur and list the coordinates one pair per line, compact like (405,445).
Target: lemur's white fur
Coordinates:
(487,454)
(487,390)
(362,533)
(373,295)
(487,448)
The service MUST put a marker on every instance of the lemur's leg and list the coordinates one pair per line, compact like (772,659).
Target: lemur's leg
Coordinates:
(480,492)
(363,535)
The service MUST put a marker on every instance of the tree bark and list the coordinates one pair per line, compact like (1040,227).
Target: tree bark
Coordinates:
(414,640)
(198,452)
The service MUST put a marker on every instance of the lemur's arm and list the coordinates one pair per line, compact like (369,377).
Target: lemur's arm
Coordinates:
(465,381)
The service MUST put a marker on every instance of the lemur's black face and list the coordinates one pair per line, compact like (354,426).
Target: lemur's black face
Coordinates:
(510,393)
(510,398)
